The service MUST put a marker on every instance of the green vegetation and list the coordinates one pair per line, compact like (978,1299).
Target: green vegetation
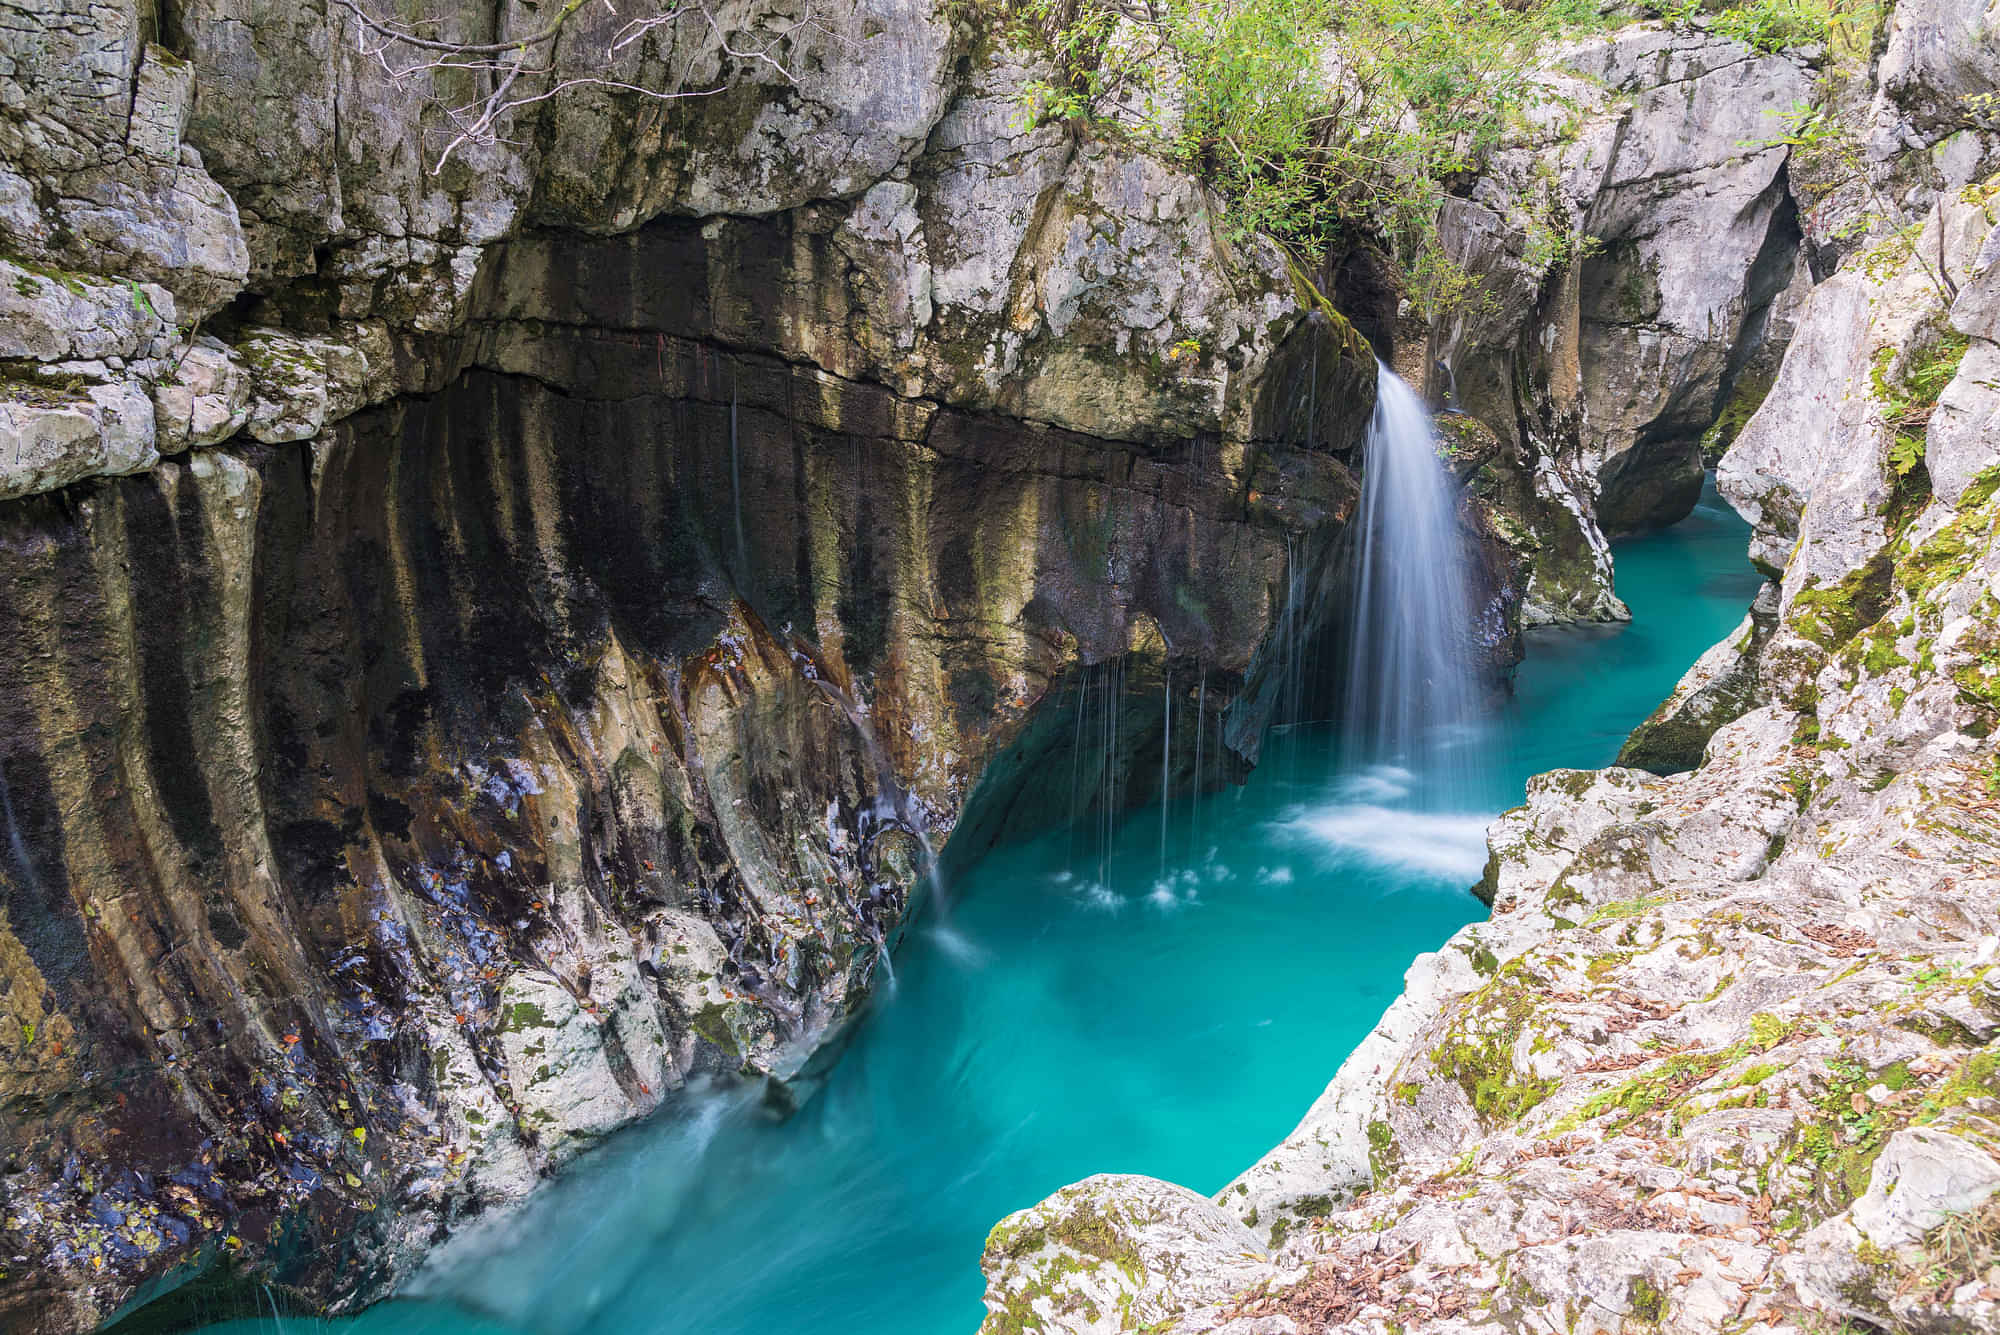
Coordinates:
(1293,109)
(1480,1056)
(1910,397)
(1382,1156)
(1630,908)
(1348,120)
(1745,398)
(1649,1304)
(1832,615)
(1660,1088)
(1768,25)
(1767,1030)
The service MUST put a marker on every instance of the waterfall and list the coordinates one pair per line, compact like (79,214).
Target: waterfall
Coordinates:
(1410,694)
(16,845)
(1109,806)
(1081,687)
(1292,628)
(1200,724)
(1166,762)
(1450,387)
(736,494)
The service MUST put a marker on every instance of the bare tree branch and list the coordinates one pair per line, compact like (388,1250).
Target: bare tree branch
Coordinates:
(407,38)
(410,53)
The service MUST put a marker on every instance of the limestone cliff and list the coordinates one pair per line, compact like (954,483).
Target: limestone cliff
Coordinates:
(1636,245)
(492,644)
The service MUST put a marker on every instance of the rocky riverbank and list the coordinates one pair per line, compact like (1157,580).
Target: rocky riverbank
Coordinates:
(500,623)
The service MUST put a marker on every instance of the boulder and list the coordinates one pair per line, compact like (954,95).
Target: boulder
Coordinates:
(1120,1253)
(51,438)
(1720,688)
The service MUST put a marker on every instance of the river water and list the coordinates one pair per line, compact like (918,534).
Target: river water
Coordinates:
(1172,1021)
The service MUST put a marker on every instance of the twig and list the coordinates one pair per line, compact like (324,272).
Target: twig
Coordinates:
(533,56)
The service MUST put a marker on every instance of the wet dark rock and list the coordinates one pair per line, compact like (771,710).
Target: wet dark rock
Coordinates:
(395,814)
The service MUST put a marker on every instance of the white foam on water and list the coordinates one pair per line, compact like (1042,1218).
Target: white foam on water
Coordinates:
(956,948)
(1378,783)
(1099,897)
(1448,845)
(1274,875)
(582,1262)
(1175,891)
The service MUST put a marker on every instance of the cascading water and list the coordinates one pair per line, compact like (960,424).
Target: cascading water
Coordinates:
(1062,1028)
(1166,760)
(1450,381)
(1200,774)
(17,847)
(1412,761)
(1410,690)
(736,491)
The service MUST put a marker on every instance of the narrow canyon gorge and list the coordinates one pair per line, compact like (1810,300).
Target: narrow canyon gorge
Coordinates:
(618,624)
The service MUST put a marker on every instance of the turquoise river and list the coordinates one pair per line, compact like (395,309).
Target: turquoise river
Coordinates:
(1174,1022)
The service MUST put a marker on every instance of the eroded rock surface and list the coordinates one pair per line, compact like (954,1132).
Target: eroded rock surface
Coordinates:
(1636,245)
(494,644)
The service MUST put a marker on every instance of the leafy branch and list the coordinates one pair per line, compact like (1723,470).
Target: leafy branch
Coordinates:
(1828,157)
(1767,25)
(1312,119)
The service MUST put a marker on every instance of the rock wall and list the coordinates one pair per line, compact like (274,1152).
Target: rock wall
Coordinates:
(947,253)
(390,819)
(1636,250)
(500,637)
(1723,1058)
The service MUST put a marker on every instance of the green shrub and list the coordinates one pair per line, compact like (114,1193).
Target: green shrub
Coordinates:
(1768,25)
(1235,91)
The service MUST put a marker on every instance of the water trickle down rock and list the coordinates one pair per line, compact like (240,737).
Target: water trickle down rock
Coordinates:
(419,766)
